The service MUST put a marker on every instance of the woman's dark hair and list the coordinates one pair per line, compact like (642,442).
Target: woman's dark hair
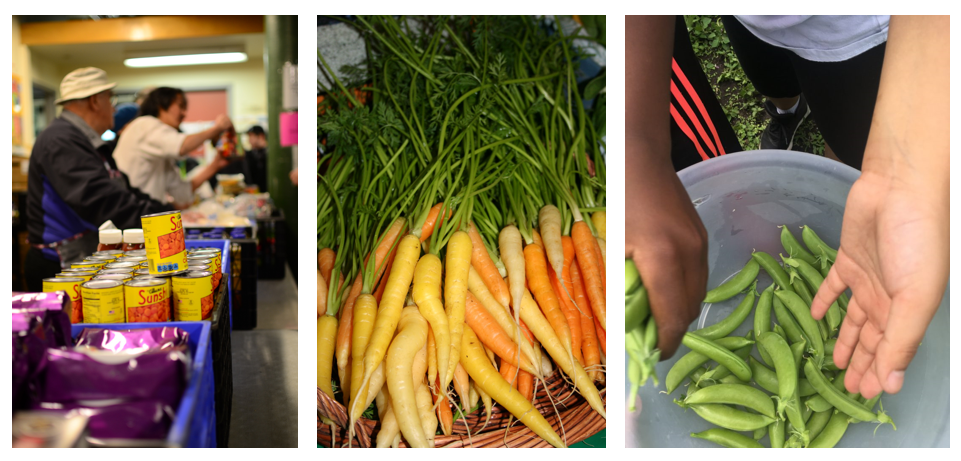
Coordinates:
(160,99)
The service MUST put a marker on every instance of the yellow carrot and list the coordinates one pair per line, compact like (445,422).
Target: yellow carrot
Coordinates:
(477,365)
(326,331)
(462,386)
(426,294)
(512,255)
(457,268)
(411,337)
(388,423)
(599,218)
(502,316)
(388,314)
(549,220)
(425,409)
(545,334)
(365,311)
(321,294)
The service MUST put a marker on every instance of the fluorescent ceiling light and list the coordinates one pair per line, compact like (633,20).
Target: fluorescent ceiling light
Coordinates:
(186,59)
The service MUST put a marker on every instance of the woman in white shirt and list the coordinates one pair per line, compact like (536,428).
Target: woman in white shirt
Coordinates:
(151,145)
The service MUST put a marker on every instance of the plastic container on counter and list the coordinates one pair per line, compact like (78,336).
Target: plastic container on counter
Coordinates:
(742,198)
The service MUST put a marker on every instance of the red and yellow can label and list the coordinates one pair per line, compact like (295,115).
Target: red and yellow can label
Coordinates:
(163,235)
(92,265)
(193,296)
(147,301)
(72,287)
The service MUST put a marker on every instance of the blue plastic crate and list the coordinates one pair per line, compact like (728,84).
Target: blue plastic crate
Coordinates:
(224,245)
(195,424)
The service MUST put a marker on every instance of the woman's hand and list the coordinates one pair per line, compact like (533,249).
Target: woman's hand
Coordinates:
(223,123)
(895,238)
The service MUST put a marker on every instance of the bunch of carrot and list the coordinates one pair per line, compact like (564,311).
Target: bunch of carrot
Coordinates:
(457,264)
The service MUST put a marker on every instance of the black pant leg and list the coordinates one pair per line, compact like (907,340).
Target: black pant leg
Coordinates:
(768,67)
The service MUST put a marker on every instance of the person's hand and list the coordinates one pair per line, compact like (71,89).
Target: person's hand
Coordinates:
(894,257)
(668,242)
(220,162)
(223,123)
(293,177)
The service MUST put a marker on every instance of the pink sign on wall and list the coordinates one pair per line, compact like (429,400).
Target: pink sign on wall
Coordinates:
(288,129)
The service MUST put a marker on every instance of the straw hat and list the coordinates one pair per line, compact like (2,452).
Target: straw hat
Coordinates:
(83,83)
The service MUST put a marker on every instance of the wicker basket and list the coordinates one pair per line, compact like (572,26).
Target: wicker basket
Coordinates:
(580,422)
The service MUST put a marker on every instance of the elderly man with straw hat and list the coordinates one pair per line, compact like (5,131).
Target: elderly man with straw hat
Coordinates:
(73,184)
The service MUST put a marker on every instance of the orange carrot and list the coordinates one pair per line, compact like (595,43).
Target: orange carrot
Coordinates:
(444,414)
(536,269)
(492,335)
(325,262)
(589,346)
(431,221)
(587,256)
(601,335)
(565,291)
(383,280)
(525,384)
(485,267)
(509,373)
(600,261)
(536,237)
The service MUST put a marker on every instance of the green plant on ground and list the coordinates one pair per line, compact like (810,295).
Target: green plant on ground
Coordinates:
(742,104)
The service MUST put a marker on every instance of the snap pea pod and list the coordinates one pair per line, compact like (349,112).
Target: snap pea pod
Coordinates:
(817,403)
(731,322)
(762,317)
(815,244)
(869,404)
(773,269)
(832,432)
(733,394)
(719,354)
(776,433)
(842,402)
(727,438)
(817,422)
(784,365)
(637,309)
(801,289)
(786,321)
(730,417)
(794,248)
(632,279)
(693,360)
(815,279)
(735,285)
(759,433)
(722,371)
(731,379)
(802,314)
(767,379)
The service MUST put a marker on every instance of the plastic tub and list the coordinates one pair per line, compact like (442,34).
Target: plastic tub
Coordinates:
(195,425)
(741,199)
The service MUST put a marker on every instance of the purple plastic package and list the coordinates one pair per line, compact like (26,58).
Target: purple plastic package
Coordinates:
(50,308)
(29,357)
(135,341)
(140,419)
(72,375)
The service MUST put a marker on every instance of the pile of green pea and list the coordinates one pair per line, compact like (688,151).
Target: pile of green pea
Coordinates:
(802,401)
(641,338)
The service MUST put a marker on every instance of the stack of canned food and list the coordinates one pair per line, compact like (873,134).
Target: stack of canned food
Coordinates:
(142,275)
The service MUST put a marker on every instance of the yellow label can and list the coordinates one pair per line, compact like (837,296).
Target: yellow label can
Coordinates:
(72,286)
(147,300)
(193,296)
(103,301)
(163,235)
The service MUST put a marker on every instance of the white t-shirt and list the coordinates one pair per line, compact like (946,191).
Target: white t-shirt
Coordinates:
(147,153)
(820,38)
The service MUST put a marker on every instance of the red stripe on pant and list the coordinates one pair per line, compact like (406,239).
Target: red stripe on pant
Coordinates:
(697,102)
(690,114)
(687,130)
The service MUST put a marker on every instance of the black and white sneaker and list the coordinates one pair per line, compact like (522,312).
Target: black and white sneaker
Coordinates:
(780,132)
